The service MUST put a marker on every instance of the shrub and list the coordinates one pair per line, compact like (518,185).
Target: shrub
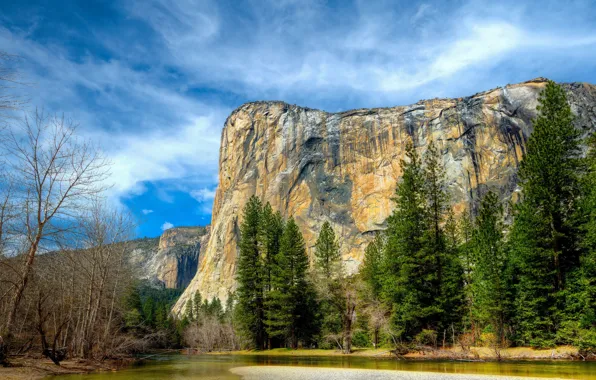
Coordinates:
(426,338)
(361,339)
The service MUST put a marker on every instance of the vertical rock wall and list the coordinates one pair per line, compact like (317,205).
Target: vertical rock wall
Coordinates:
(343,167)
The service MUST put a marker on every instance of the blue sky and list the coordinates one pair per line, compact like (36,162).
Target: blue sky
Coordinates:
(152,81)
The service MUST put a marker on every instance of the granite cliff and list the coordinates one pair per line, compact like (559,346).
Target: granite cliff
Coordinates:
(343,167)
(172,259)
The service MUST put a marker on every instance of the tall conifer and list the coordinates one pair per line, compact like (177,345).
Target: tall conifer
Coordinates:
(250,276)
(327,250)
(543,237)
(490,262)
(289,298)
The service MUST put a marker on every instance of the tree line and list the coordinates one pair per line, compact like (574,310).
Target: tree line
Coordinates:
(523,277)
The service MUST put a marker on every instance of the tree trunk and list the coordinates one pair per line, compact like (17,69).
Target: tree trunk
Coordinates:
(18,295)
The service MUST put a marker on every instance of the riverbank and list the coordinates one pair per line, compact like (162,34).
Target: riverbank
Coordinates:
(39,368)
(302,373)
(474,353)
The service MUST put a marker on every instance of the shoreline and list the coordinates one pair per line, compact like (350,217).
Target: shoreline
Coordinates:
(35,368)
(32,368)
(560,353)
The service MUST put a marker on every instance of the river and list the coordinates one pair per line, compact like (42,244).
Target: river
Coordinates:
(216,367)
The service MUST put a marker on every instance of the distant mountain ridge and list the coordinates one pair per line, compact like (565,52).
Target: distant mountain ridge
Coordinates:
(170,260)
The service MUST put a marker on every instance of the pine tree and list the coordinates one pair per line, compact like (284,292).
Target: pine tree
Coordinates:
(250,310)
(270,231)
(584,312)
(372,266)
(197,303)
(287,317)
(407,285)
(327,250)
(465,251)
(149,312)
(543,237)
(490,263)
(447,274)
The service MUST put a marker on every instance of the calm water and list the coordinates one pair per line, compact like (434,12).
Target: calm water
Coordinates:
(180,367)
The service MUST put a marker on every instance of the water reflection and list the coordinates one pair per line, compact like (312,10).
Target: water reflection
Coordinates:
(180,367)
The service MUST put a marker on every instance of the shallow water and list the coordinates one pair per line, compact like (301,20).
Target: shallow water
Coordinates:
(181,367)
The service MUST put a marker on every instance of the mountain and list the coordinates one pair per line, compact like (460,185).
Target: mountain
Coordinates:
(343,167)
(172,259)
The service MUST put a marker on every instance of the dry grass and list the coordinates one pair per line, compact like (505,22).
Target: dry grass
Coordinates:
(482,353)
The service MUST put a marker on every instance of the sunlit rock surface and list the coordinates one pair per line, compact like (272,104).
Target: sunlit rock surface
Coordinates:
(172,259)
(343,167)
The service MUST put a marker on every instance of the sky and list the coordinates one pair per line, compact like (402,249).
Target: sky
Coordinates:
(152,81)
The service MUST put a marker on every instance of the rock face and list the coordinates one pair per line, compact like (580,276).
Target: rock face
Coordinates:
(171,260)
(343,167)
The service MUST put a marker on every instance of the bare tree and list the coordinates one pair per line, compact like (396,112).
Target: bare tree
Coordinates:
(9,79)
(104,233)
(57,175)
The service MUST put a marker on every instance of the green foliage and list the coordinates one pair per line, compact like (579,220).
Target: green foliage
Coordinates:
(423,273)
(289,299)
(406,286)
(327,250)
(148,311)
(488,280)
(250,275)
(271,228)
(426,337)
(372,266)
(544,235)
(361,339)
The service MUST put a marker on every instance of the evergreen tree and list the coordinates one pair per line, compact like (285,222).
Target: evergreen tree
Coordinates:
(287,317)
(270,231)
(250,311)
(543,237)
(149,312)
(580,324)
(465,251)
(372,266)
(447,274)
(588,261)
(490,262)
(407,284)
(327,250)
(197,310)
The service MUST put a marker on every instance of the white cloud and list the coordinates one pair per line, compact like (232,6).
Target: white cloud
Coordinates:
(175,136)
(203,195)
(166,226)
(146,211)
(155,130)
(371,55)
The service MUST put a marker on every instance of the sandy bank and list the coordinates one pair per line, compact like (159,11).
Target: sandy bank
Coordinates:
(34,369)
(303,373)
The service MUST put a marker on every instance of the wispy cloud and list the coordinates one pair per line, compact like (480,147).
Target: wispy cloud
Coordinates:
(166,226)
(203,195)
(153,87)
(146,211)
